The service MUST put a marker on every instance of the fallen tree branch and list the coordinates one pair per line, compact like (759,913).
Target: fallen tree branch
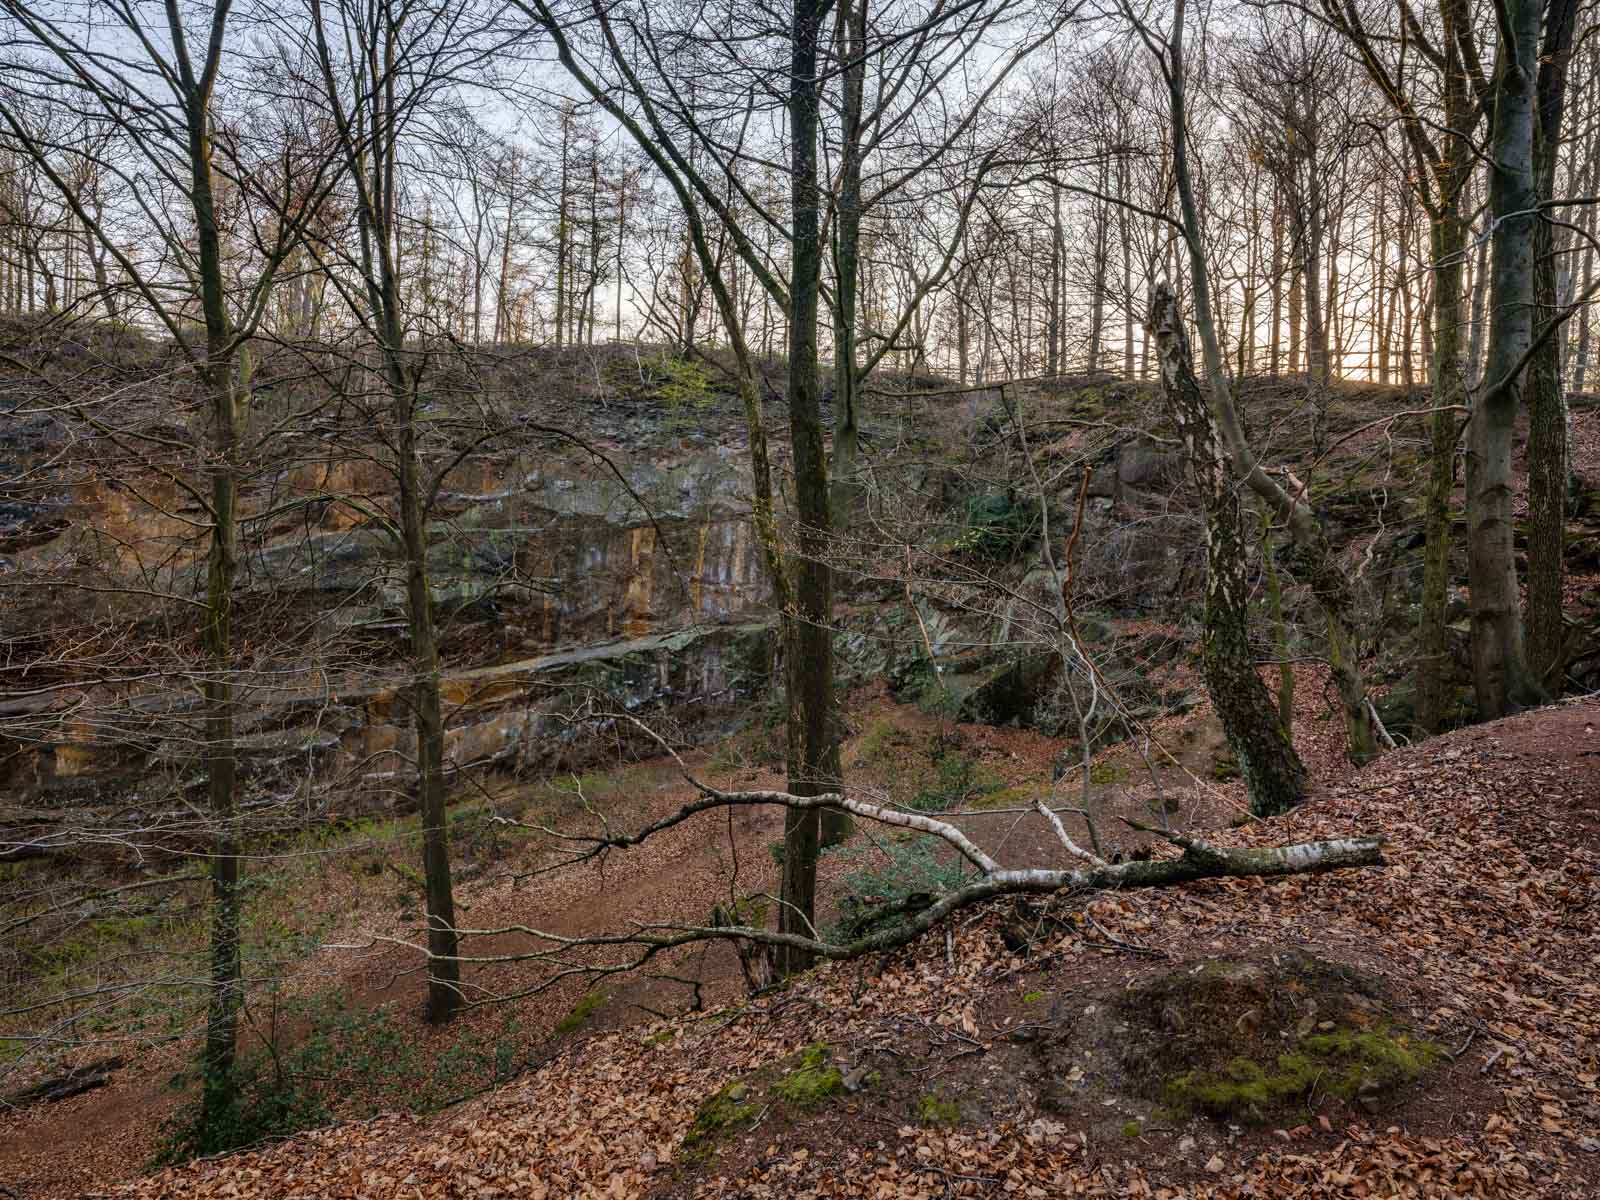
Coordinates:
(74,1083)
(1072,847)
(1198,860)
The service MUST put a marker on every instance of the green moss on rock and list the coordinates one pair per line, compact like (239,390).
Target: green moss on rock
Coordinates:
(813,1081)
(587,1005)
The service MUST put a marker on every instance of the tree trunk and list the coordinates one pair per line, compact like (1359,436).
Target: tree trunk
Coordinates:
(1296,308)
(1448,246)
(1275,321)
(1547,408)
(851,42)
(1280,630)
(1125,232)
(1581,348)
(963,342)
(1500,671)
(1097,294)
(1383,323)
(1327,579)
(1053,332)
(444,968)
(813,749)
(1273,774)
(561,230)
(1480,317)
(218,1094)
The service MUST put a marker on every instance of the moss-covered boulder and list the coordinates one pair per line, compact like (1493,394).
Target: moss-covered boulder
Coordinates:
(1254,1038)
(1265,1037)
(814,1079)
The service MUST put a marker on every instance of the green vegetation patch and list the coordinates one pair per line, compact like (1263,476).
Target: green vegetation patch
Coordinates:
(905,873)
(1251,1038)
(727,1109)
(938,1109)
(1109,772)
(996,525)
(1344,1063)
(958,779)
(813,1081)
(588,1004)
(319,1059)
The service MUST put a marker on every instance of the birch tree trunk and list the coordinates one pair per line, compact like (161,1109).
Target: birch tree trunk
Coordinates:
(1327,579)
(1273,774)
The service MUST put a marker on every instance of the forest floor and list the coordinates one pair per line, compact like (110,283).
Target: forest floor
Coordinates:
(1477,934)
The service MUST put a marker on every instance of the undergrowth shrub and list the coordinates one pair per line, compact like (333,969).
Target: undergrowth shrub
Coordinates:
(996,525)
(958,778)
(339,1062)
(909,870)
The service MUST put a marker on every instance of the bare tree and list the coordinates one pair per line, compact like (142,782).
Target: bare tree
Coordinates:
(159,95)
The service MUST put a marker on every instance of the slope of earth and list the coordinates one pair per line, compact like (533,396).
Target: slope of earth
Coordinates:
(1479,929)
(354,891)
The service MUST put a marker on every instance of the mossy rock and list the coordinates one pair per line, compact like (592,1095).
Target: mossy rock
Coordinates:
(813,1081)
(1252,1038)
(1225,767)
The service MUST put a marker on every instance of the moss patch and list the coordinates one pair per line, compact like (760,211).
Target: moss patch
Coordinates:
(813,1081)
(1247,1039)
(935,1109)
(1104,773)
(727,1109)
(1344,1064)
(588,1004)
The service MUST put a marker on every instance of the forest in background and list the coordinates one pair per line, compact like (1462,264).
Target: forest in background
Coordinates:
(404,400)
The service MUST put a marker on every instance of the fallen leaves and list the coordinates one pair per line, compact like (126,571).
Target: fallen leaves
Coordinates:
(1485,921)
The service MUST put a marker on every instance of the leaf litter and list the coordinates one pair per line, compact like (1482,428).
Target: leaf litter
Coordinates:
(1483,919)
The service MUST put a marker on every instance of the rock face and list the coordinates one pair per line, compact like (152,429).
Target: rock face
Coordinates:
(569,585)
(621,575)
(573,556)
(579,592)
